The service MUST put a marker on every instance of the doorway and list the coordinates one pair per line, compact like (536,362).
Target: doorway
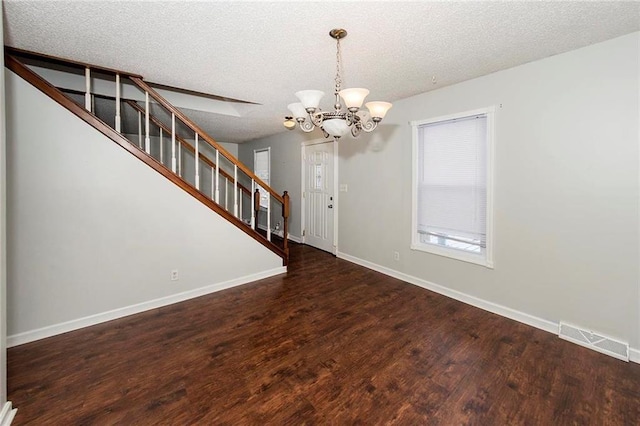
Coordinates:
(319,205)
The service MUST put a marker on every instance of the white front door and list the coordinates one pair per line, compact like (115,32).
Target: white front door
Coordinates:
(318,196)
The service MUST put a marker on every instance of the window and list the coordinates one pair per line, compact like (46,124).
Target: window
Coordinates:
(262,169)
(452,186)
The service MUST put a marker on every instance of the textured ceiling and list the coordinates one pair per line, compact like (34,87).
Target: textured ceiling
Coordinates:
(265,51)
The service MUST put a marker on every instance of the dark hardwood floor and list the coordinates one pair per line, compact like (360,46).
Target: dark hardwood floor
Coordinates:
(329,343)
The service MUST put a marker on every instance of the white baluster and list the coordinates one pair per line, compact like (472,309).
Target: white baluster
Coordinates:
(268,216)
(147,142)
(235,190)
(226,192)
(161,147)
(217,176)
(240,197)
(253,204)
(139,130)
(173,143)
(197,160)
(87,93)
(118,120)
(213,197)
(180,159)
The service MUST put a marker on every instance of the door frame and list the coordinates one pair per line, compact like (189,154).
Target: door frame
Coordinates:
(336,204)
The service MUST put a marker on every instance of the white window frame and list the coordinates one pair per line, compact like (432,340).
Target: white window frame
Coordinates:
(486,258)
(264,194)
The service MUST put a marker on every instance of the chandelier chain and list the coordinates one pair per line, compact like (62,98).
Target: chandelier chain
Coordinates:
(338,66)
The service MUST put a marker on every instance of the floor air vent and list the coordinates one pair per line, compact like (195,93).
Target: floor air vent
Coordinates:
(594,341)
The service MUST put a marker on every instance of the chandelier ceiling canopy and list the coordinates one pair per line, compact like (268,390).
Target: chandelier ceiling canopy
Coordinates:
(337,123)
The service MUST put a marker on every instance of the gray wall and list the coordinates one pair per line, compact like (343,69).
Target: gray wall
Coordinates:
(566,189)
(92,229)
(187,167)
(286,167)
(231,147)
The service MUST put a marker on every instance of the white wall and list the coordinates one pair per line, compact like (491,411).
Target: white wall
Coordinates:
(3,239)
(566,189)
(286,167)
(92,229)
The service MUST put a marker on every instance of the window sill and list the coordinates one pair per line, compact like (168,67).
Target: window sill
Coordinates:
(478,259)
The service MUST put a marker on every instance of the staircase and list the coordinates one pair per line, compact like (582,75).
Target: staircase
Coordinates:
(140,120)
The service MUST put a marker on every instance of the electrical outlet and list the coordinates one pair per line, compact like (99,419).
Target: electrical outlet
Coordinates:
(174,275)
(396,255)
(344,187)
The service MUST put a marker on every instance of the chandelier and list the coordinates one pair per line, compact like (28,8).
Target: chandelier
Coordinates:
(337,123)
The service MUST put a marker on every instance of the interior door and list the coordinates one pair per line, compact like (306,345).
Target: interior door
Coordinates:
(318,196)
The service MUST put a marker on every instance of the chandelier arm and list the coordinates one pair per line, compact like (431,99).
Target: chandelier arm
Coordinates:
(317,118)
(369,126)
(356,129)
(306,126)
(352,119)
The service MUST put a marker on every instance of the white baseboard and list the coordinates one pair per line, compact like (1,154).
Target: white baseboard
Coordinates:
(542,324)
(7,414)
(522,317)
(294,239)
(52,330)
(279,234)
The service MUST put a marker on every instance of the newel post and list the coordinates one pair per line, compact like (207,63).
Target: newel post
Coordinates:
(256,206)
(285,216)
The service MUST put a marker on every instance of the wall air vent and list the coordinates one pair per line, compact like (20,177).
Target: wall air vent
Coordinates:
(595,341)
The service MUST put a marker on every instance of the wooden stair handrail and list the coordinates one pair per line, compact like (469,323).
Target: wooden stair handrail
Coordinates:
(184,143)
(54,93)
(143,85)
(205,136)
(64,61)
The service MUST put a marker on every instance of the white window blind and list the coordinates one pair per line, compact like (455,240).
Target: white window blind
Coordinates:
(261,167)
(452,179)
